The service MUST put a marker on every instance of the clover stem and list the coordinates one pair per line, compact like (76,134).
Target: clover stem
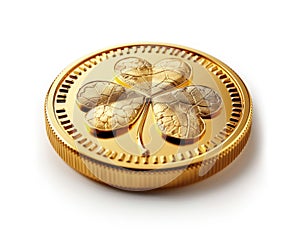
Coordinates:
(139,137)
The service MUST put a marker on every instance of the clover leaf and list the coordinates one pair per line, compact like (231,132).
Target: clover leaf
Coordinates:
(179,108)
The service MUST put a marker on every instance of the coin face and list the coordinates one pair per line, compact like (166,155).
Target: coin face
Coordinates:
(146,116)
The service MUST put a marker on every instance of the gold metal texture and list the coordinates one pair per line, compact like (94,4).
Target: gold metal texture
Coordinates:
(148,115)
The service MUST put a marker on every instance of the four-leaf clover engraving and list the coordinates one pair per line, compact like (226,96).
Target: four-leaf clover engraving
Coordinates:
(179,108)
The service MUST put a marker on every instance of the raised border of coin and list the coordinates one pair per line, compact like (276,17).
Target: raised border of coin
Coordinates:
(134,176)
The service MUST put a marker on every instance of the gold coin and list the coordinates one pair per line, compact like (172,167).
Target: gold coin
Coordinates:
(146,116)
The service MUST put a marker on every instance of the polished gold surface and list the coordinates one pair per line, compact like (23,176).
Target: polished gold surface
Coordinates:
(148,116)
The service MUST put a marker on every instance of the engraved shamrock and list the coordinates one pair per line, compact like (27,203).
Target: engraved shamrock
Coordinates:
(179,108)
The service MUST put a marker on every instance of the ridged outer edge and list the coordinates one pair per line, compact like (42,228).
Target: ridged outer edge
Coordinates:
(139,180)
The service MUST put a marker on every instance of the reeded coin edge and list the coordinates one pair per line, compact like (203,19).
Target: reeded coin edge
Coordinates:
(140,180)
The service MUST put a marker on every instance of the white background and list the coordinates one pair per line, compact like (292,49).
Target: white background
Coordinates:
(257,194)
